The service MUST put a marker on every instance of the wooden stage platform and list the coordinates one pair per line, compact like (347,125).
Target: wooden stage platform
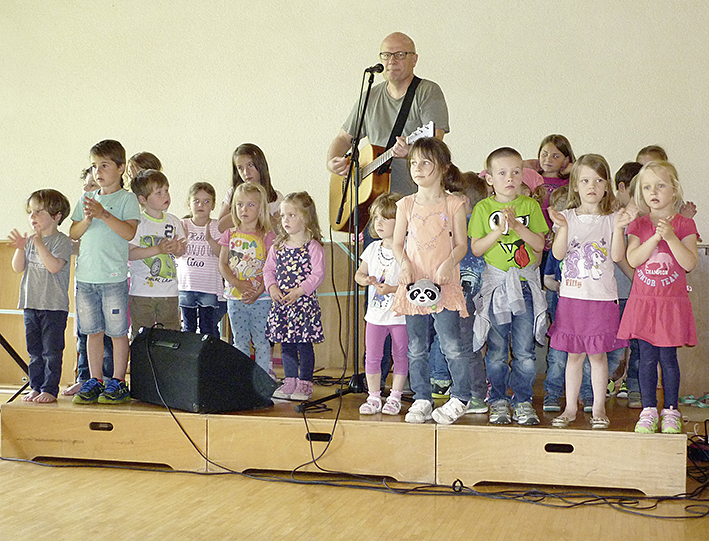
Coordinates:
(278,439)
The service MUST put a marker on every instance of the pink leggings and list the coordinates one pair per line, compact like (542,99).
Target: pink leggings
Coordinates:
(374,342)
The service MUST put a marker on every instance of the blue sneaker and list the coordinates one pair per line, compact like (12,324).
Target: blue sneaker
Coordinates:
(116,393)
(89,392)
(552,403)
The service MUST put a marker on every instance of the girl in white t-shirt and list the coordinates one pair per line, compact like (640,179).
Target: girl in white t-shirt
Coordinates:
(380,270)
(199,281)
(588,315)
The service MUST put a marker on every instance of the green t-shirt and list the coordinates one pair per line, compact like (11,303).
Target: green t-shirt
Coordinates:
(510,250)
(103,253)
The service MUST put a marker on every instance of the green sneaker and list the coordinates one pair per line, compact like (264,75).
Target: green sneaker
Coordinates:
(89,392)
(440,388)
(476,405)
(116,393)
(623,391)
(647,424)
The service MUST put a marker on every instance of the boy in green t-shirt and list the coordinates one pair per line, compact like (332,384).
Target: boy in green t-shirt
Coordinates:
(508,230)
(104,220)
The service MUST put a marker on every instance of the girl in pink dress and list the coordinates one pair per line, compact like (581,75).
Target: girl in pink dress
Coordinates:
(662,246)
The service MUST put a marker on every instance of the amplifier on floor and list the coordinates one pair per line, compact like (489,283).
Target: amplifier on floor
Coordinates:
(196,372)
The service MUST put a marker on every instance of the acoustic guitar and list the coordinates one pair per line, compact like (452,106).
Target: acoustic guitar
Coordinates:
(372,185)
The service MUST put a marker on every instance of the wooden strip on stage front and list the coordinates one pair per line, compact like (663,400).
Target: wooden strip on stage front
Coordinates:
(652,463)
(391,449)
(133,432)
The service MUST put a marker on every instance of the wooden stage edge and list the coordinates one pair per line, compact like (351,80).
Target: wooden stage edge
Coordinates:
(277,439)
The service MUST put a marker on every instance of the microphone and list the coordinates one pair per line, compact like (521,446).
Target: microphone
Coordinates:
(376,68)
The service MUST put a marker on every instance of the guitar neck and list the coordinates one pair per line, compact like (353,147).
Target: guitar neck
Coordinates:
(376,163)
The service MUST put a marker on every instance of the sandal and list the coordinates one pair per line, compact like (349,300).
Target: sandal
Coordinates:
(392,406)
(562,421)
(371,406)
(600,422)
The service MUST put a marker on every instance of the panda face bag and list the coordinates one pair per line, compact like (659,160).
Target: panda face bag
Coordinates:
(423,292)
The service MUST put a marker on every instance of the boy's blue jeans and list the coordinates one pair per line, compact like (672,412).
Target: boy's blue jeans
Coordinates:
(44,332)
(447,326)
(521,372)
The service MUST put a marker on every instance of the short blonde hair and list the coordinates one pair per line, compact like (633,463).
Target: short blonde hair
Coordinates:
(657,168)
(252,189)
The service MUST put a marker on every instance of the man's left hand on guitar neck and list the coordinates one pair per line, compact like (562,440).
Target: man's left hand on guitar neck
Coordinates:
(400,148)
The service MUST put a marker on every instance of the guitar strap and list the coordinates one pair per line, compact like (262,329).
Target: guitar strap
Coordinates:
(401,119)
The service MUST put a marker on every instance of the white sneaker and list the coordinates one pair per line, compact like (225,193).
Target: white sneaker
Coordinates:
(419,412)
(450,412)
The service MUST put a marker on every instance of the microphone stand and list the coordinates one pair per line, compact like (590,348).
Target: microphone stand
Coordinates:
(352,183)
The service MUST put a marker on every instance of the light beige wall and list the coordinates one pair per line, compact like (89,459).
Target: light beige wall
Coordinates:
(191,80)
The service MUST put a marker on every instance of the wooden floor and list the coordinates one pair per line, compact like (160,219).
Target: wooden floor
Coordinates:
(64,503)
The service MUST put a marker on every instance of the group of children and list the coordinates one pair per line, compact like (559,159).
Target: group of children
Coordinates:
(456,269)
(425,243)
(140,266)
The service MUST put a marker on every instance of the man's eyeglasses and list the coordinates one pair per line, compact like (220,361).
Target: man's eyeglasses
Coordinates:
(399,55)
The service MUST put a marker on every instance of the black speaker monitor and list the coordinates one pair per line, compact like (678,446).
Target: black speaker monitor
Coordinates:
(196,372)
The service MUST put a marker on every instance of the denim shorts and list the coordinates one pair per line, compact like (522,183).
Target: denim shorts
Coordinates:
(194,299)
(103,308)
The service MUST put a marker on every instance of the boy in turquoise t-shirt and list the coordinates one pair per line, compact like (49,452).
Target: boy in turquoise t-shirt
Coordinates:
(104,220)
(508,229)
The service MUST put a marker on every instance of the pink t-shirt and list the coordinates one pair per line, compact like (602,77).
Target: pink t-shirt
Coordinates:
(659,310)
(198,268)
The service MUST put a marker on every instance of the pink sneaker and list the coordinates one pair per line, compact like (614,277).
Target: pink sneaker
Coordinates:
(287,389)
(303,390)
(647,424)
(671,421)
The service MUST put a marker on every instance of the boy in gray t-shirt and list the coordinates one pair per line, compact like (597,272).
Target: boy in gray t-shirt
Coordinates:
(44,291)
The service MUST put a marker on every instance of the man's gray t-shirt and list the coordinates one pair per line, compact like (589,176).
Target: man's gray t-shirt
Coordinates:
(428,104)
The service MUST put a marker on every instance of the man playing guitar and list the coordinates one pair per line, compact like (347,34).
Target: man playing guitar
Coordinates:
(398,54)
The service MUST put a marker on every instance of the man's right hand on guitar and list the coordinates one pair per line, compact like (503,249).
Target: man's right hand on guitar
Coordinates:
(338,165)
